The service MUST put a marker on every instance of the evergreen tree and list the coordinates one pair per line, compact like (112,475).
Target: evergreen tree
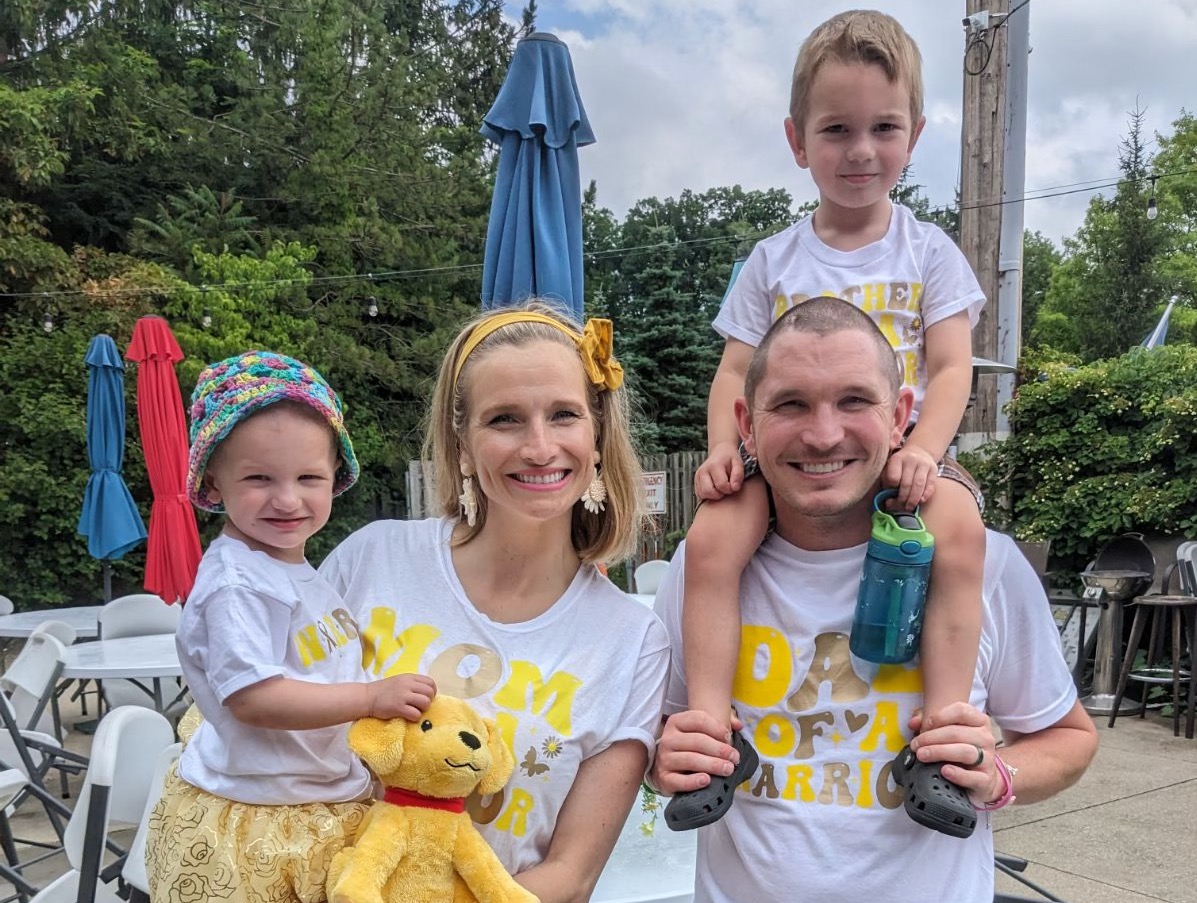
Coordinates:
(1106,294)
(661,277)
(910,195)
(600,250)
(666,345)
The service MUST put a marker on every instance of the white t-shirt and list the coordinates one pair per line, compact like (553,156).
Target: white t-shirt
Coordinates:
(249,618)
(823,820)
(562,687)
(911,279)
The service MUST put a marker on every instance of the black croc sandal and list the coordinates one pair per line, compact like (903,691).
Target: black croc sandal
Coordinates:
(697,808)
(931,799)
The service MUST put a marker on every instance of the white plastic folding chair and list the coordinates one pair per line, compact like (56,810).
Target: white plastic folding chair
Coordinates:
(140,614)
(26,690)
(12,784)
(30,681)
(65,634)
(125,753)
(647,576)
(133,872)
(6,608)
(31,738)
(60,630)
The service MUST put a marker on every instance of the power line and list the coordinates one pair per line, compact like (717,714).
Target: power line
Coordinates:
(1036,194)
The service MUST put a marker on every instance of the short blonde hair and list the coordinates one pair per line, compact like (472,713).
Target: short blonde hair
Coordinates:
(823,316)
(858,36)
(603,537)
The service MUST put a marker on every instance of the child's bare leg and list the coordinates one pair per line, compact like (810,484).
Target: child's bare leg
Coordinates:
(719,545)
(951,635)
(952,625)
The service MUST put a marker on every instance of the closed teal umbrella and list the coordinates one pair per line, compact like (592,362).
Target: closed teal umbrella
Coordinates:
(534,235)
(109,519)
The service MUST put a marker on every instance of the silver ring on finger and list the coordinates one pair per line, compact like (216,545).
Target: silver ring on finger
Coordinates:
(980,757)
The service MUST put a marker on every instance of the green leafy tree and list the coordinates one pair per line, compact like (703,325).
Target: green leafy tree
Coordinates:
(43,455)
(1039,258)
(1107,292)
(711,228)
(1175,191)
(354,131)
(296,169)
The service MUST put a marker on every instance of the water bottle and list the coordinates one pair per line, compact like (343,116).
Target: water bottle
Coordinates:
(893,586)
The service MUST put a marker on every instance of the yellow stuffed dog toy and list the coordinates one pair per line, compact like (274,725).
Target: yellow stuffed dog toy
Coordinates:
(418,844)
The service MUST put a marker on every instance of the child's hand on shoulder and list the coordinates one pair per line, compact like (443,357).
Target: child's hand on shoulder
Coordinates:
(721,474)
(912,471)
(402,696)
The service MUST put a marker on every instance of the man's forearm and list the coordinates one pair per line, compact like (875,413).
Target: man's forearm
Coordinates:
(1052,759)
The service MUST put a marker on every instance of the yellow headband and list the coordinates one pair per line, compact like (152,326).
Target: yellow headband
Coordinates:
(594,344)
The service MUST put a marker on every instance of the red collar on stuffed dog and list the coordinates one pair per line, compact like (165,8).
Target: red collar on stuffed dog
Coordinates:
(398,797)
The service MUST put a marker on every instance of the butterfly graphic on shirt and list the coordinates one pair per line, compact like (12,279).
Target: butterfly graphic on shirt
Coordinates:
(531,764)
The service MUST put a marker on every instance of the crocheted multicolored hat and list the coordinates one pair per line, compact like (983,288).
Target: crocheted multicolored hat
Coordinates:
(228,392)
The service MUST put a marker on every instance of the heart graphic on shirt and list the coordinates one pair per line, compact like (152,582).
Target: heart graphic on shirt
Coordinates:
(855,722)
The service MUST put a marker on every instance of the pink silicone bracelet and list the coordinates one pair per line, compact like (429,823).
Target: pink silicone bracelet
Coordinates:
(1007,796)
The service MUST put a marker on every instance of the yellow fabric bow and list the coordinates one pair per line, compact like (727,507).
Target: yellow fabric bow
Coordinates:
(596,347)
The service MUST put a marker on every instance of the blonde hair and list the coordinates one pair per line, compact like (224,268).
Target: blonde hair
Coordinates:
(858,36)
(603,537)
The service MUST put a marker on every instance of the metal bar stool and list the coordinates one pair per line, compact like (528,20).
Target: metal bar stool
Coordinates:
(1183,609)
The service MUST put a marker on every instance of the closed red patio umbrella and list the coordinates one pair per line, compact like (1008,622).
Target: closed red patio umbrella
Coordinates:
(173,548)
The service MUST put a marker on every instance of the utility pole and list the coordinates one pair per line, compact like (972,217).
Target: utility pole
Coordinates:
(1014,172)
(981,168)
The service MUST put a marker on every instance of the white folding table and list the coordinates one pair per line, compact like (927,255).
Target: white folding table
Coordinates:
(84,619)
(133,658)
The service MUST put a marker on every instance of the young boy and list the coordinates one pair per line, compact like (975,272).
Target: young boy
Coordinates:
(855,116)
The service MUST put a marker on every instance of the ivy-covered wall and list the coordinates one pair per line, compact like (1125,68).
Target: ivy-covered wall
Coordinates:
(1097,450)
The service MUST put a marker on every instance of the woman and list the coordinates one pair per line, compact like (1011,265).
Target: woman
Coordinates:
(499,600)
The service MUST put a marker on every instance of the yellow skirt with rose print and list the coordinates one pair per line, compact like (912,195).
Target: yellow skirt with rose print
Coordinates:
(202,847)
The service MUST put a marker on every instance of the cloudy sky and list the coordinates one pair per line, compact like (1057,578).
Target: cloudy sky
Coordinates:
(692,93)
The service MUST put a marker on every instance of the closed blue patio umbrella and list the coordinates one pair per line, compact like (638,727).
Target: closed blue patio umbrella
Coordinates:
(534,235)
(109,519)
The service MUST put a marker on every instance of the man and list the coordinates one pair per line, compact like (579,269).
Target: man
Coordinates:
(822,819)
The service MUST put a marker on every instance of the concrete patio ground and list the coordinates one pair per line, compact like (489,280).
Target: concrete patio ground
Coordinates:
(1126,833)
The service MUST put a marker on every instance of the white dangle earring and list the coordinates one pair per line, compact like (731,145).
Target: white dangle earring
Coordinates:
(594,499)
(468,500)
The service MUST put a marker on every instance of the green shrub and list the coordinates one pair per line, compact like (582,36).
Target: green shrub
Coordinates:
(1096,451)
